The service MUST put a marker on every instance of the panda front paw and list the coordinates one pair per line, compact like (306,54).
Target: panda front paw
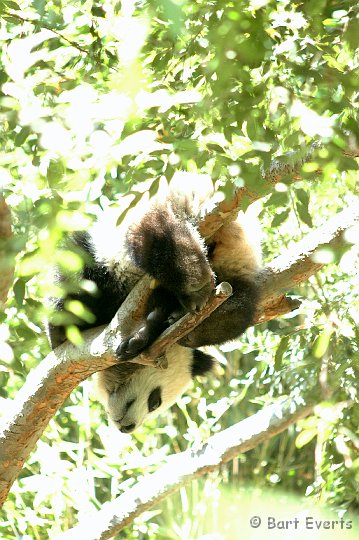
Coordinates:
(133,345)
(155,323)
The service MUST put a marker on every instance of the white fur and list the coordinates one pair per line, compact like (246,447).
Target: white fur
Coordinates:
(238,248)
(173,382)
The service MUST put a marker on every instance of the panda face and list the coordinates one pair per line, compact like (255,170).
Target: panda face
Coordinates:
(149,392)
(132,394)
(127,413)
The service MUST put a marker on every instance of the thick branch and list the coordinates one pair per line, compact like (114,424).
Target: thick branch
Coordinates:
(184,467)
(48,386)
(300,262)
(183,327)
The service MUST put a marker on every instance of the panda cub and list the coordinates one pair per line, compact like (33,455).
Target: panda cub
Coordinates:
(160,237)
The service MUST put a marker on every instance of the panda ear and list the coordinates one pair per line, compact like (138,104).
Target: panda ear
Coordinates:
(201,363)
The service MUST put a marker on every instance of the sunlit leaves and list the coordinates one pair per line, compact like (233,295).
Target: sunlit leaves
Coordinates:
(280,217)
(22,136)
(73,334)
(8,4)
(97,97)
(321,344)
(281,350)
(55,172)
(78,309)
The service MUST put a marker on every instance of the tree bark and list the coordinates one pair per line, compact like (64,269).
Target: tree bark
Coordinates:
(300,262)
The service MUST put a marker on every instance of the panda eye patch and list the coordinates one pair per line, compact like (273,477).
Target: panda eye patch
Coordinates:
(154,399)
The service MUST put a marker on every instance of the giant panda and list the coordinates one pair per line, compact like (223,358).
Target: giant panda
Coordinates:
(160,237)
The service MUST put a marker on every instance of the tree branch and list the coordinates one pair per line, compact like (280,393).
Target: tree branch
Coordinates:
(182,468)
(41,24)
(288,169)
(47,386)
(183,327)
(300,262)
(60,372)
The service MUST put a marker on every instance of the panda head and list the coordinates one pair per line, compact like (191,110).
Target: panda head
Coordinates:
(131,394)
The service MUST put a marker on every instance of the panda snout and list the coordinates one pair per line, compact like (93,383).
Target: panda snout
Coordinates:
(127,429)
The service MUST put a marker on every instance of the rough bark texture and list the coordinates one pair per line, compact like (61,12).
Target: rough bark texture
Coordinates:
(47,386)
(180,469)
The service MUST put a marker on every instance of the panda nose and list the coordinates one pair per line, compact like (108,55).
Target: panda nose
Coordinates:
(128,428)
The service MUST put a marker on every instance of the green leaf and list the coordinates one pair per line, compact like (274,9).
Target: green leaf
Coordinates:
(282,347)
(215,148)
(73,334)
(22,136)
(304,215)
(55,172)
(305,437)
(9,18)
(252,128)
(10,4)
(155,164)
(19,291)
(321,344)
(280,218)
(278,198)
(302,196)
(80,310)
(302,206)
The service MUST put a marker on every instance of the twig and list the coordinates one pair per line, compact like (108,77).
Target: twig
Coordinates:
(45,26)
(290,169)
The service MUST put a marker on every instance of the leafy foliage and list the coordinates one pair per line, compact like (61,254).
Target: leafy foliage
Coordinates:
(98,97)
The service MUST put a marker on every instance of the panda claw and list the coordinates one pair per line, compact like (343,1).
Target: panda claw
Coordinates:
(131,347)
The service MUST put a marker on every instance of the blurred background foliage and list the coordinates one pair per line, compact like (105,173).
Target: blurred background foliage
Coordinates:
(99,96)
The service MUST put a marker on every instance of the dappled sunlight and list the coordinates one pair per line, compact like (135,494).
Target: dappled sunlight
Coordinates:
(103,106)
(312,123)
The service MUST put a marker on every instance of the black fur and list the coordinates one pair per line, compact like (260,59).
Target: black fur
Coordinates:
(230,319)
(163,245)
(202,363)
(102,305)
(154,399)
(160,305)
